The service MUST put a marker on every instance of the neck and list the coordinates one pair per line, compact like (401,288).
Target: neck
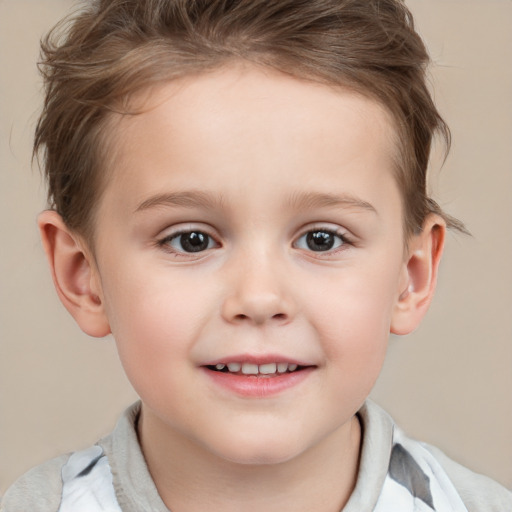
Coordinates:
(192,479)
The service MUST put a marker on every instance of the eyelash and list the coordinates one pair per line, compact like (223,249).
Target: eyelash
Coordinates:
(166,241)
(343,240)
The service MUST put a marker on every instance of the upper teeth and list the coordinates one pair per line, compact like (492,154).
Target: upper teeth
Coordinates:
(255,369)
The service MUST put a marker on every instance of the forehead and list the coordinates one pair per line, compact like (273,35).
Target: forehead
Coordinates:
(226,130)
(253,95)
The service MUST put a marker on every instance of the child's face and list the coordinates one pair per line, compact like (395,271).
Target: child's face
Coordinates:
(252,218)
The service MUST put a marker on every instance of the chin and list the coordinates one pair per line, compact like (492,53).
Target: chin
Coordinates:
(262,450)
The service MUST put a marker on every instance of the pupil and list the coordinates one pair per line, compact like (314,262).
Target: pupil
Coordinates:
(320,241)
(194,242)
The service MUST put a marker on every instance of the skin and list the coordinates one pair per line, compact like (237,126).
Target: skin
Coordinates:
(254,160)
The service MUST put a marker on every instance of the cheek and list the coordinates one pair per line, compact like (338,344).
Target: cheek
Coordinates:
(155,323)
(354,308)
(146,305)
(352,315)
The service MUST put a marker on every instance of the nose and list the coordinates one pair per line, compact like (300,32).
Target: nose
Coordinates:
(258,293)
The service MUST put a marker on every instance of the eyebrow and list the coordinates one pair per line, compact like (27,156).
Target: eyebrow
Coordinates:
(299,201)
(189,199)
(309,200)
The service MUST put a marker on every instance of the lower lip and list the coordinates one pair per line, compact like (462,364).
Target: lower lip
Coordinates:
(258,386)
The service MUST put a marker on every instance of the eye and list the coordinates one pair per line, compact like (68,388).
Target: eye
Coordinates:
(320,240)
(189,242)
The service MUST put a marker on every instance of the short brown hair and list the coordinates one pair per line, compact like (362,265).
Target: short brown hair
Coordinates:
(95,61)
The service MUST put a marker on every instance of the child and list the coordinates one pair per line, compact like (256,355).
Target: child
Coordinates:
(238,196)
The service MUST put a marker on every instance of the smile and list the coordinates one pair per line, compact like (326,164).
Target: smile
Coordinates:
(267,369)
(249,377)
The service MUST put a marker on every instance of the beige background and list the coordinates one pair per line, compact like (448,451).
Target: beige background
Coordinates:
(450,383)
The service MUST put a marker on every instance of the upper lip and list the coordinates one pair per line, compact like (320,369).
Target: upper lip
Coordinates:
(257,359)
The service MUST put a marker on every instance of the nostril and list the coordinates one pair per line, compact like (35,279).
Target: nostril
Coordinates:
(256,307)
(277,316)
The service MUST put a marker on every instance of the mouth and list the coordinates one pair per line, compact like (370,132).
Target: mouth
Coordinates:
(257,370)
(258,376)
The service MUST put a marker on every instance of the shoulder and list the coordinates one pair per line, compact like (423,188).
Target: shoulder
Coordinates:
(38,490)
(478,492)
(81,481)
(394,466)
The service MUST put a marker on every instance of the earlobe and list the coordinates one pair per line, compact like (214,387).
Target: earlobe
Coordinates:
(74,275)
(420,276)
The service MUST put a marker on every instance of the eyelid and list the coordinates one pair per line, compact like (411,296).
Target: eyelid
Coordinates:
(338,231)
(163,240)
(328,228)
(186,227)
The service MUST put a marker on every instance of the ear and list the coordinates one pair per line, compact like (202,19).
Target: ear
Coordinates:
(74,274)
(419,276)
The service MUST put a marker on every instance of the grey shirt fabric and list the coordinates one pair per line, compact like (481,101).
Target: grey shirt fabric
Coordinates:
(40,489)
